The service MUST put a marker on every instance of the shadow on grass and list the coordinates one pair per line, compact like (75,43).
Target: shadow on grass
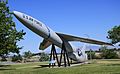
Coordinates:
(113,65)
(41,66)
(52,66)
(5,67)
(46,66)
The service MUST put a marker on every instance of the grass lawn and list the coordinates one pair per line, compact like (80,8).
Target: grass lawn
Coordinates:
(96,67)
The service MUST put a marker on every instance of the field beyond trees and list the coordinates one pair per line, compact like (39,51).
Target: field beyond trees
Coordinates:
(109,66)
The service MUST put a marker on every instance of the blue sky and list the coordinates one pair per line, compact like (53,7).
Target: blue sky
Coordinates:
(82,18)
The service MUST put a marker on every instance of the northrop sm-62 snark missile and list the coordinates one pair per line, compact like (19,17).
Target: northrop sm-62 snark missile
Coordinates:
(52,37)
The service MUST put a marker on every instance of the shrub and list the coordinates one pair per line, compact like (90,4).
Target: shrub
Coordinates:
(17,58)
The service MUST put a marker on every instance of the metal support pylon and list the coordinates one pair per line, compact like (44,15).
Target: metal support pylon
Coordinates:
(53,56)
(65,56)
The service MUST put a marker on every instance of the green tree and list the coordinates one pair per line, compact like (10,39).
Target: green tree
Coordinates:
(9,36)
(114,34)
(27,54)
(44,57)
(91,54)
(17,58)
(108,53)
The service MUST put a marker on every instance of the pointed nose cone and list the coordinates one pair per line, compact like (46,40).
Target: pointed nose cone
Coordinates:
(14,12)
(17,14)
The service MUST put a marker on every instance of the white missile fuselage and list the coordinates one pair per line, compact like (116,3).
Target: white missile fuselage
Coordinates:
(39,28)
(48,34)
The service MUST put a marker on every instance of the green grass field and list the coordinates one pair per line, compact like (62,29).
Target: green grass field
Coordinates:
(96,67)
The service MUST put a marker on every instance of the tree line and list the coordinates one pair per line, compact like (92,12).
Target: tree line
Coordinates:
(104,53)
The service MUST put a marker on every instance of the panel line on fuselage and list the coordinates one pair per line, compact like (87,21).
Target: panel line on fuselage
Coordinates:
(48,32)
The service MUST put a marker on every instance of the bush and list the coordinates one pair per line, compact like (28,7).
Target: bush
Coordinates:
(3,59)
(44,57)
(28,54)
(17,58)
(108,54)
(91,54)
